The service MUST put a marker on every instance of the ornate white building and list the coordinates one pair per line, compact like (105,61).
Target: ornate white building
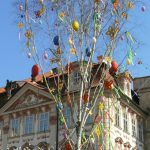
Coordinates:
(28,117)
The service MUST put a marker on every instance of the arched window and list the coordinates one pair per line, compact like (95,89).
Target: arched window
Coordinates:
(118,143)
(135,148)
(13,148)
(27,146)
(43,146)
(127,146)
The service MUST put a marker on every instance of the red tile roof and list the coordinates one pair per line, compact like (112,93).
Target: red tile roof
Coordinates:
(2,90)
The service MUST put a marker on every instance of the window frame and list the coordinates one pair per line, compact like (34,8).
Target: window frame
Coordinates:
(29,126)
(133,121)
(43,121)
(140,131)
(15,129)
(125,122)
(117,117)
(76,77)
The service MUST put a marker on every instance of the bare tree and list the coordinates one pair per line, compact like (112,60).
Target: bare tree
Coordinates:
(89,33)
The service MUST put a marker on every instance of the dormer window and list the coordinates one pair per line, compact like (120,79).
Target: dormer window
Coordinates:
(77,77)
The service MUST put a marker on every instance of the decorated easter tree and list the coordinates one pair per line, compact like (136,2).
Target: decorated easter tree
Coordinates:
(84,34)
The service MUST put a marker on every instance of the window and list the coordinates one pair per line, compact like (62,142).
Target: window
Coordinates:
(67,115)
(15,127)
(140,130)
(28,124)
(117,117)
(43,121)
(125,122)
(77,77)
(133,128)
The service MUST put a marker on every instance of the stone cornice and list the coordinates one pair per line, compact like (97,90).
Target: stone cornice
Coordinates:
(47,104)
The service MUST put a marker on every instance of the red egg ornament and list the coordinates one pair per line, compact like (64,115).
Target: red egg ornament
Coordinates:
(85,97)
(68,146)
(114,66)
(35,70)
(108,85)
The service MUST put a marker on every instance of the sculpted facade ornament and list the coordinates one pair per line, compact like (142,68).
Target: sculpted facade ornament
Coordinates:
(28,99)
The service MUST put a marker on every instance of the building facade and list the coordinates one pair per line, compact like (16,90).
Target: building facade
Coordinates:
(28,118)
(142,87)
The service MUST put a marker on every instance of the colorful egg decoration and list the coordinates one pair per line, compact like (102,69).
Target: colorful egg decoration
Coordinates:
(60,106)
(20,7)
(85,97)
(88,53)
(128,61)
(114,66)
(35,70)
(68,146)
(75,25)
(56,40)
(29,55)
(45,55)
(122,38)
(143,8)
(108,85)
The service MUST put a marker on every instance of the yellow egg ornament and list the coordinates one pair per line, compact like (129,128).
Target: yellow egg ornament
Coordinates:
(128,62)
(75,25)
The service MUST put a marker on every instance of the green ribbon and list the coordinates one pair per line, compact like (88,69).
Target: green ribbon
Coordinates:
(128,34)
(116,90)
(96,17)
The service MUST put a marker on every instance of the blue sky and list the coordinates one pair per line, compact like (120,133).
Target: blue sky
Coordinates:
(14,64)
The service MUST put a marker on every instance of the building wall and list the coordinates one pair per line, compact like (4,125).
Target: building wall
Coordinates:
(142,87)
(111,132)
(117,132)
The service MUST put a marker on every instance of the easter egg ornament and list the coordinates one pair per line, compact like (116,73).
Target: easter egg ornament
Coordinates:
(122,38)
(21,8)
(35,71)
(75,25)
(56,40)
(114,66)
(29,55)
(45,55)
(128,61)
(143,8)
(87,51)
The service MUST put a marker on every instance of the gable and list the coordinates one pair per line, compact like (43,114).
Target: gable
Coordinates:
(27,96)
(28,99)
